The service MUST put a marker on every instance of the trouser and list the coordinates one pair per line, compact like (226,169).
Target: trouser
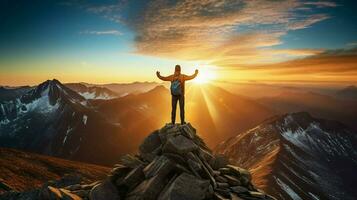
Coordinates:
(181,100)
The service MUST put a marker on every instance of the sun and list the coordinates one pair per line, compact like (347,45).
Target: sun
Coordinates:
(205,75)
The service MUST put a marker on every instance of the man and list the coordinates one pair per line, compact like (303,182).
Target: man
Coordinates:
(177,91)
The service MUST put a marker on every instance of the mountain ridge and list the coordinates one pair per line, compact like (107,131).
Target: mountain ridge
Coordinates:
(297,156)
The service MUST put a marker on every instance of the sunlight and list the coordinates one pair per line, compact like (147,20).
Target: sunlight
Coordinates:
(205,75)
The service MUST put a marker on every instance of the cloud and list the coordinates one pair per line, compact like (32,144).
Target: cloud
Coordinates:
(301,24)
(240,32)
(228,33)
(341,62)
(107,32)
(321,4)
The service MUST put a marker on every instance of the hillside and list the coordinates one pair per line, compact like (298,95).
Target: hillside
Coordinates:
(24,171)
(296,156)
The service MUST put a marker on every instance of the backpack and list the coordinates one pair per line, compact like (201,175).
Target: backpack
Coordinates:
(176,87)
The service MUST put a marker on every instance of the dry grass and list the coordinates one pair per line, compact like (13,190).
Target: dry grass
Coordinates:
(23,171)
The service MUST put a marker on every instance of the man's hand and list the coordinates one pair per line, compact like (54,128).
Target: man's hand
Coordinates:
(157,73)
(196,71)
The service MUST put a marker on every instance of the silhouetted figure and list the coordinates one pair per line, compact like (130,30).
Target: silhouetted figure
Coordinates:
(177,91)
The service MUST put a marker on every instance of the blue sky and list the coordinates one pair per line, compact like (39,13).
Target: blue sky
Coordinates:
(111,41)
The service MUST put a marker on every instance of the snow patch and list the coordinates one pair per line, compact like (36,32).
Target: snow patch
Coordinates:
(92,95)
(313,196)
(287,189)
(85,118)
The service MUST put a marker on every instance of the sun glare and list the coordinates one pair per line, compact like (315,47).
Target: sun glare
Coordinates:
(205,75)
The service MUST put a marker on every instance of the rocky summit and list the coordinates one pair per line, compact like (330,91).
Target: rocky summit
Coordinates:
(172,163)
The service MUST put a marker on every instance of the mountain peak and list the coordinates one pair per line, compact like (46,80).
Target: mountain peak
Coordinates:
(53,89)
(173,163)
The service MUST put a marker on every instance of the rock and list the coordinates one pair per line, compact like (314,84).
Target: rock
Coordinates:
(256,194)
(219,161)
(222,185)
(132,179)
(104,191)
(206,154)
(161,164)
(90,186)
(239,189)
(73,187)
(225,192)
(179,144)
(221,179)
(235,197)
(186,186)
(150,143)
(189,131)
(195,167)
(149,189)
(131,161)
(240,172)
(217,196)
(232,180)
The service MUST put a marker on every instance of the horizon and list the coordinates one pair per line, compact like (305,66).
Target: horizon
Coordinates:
(293,42)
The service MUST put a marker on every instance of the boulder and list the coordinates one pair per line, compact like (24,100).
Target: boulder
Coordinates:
(240,172)
(159,165)
(131,161)
(179,144)
(104,191)
(239,189)
(233,181)
(132,179)
(219,161)
(186,186)
(149,189)
(150,143)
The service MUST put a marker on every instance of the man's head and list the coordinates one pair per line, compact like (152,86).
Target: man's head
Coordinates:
(177,69)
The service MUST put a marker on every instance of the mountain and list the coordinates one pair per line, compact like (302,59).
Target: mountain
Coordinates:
(22,171)
(123,89)
(209,107)
(93,92)
(297,156)
(319,105)
(55,120)
(7,93)
(349,92)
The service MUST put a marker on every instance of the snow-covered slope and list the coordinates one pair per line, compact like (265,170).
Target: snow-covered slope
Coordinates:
(93,92)
(296,156)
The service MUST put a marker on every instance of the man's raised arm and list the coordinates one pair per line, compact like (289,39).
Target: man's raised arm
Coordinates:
(164,78)
(187,78)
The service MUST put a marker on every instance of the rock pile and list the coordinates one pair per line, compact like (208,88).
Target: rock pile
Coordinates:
(173,163)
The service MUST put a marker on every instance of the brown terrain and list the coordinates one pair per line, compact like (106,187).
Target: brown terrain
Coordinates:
(24,171)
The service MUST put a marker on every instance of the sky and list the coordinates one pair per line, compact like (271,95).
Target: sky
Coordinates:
(227,40)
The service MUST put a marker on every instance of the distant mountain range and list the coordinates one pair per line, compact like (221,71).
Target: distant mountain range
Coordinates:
(297,156)
(92,92)
(349,92)
(123,89)
(324,106)
(56,120)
